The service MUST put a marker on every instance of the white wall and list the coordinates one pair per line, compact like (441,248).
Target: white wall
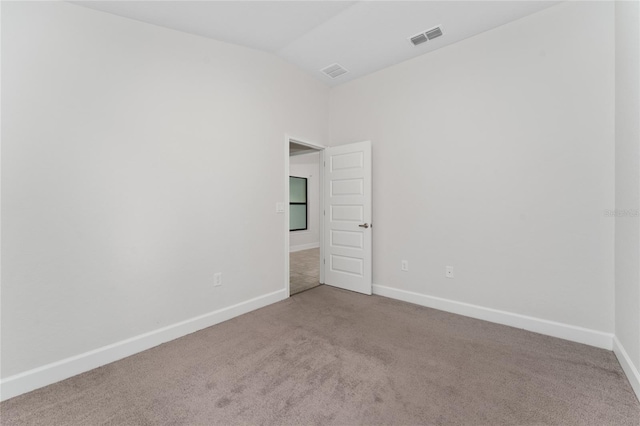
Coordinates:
(307,166)
(496,155)
(627,165)
(125,179)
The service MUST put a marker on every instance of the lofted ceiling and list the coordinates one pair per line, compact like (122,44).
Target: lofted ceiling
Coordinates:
(363,36)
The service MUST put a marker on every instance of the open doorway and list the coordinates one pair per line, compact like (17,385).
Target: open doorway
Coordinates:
(304,190)
(345,232)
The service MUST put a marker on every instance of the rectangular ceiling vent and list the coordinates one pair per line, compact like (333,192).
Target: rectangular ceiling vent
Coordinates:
(433,33)
(426,35)
(418,39)
(334,70)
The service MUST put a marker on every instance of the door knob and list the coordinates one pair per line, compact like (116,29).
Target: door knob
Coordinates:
(366,225)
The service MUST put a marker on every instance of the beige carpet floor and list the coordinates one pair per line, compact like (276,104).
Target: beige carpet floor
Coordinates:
(304,270)
(328,356)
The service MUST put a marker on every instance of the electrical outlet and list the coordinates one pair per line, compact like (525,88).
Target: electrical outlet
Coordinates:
(449,273)
(217,279)
(404,265)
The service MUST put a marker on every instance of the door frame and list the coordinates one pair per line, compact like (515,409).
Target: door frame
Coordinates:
(287,170)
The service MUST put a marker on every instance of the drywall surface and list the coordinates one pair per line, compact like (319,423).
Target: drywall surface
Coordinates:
(627,164)
(307,166)
(137,161)
(495,156)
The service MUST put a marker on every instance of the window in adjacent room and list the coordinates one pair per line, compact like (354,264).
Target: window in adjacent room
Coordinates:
(297,203)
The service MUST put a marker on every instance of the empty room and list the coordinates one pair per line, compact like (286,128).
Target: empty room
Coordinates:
(320,213)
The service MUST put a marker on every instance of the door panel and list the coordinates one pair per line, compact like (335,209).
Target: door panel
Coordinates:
(347,182)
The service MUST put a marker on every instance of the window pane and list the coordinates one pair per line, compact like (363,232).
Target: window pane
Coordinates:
(297,217)
(297,190)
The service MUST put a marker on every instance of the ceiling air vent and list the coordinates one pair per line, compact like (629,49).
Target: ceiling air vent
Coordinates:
(334,70)
(433,33)
(426,35)
(418,39)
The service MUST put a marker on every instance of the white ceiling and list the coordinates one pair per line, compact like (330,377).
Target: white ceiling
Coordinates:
(363,36)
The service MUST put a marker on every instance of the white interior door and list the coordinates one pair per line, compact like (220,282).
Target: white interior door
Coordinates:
(347,217)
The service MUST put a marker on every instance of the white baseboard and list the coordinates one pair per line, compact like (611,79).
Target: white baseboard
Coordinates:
(550,328)
(627,366)
(69,367)
(301,247)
